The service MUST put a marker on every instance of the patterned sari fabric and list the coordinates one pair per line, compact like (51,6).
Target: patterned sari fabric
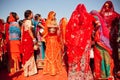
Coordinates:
(1,39)
(28,52)
(78,42)
(102,50)
(53,60)
(53,63)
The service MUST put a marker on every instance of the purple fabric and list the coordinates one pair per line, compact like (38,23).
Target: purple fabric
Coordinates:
(104,31)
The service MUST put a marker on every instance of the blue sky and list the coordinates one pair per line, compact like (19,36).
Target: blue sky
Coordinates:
(63,8)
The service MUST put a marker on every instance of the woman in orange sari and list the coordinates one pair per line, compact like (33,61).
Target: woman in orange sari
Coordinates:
(63,23)
(53,60)
(14,42)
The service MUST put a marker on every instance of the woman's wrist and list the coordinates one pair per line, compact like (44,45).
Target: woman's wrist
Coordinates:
(34,40)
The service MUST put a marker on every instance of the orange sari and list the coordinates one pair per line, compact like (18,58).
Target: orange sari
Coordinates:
(53,59)
(14,47)
(53,62)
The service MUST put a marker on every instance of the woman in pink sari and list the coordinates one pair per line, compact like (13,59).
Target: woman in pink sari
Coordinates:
(111,17)
(78,42)
(102,50)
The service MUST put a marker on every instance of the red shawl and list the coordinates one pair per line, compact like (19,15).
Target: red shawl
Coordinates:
(1,26)
(78,33)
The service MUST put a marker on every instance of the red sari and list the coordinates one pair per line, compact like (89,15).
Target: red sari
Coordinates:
(28,51)
(27,46)
(1,39)
(78,41)
(7,32)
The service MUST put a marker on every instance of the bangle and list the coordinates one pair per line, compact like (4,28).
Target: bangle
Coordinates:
(34,40)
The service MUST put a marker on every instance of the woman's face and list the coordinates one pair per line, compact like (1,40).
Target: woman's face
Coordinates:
(40,18)
(17,17)
(108,6)
(31,16)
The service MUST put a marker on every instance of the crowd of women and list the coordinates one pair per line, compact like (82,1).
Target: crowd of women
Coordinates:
(37,42)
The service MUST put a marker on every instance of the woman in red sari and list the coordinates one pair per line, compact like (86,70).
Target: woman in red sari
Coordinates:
(78,42)
(2,41)
(27,45)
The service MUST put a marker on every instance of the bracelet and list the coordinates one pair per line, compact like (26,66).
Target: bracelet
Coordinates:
(34,40)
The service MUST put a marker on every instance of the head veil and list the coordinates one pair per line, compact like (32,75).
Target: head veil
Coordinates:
(78,32)
(108,4)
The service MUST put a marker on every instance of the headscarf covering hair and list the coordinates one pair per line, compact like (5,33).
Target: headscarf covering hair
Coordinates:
(13,17)
(108,5)
(51,14)
(79,25)
(63,21)
(51,20)
(63,24)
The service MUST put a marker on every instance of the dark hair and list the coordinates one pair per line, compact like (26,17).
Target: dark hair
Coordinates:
(14,14)
(27,13)
(37,16)
(7,19)
(20,22)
